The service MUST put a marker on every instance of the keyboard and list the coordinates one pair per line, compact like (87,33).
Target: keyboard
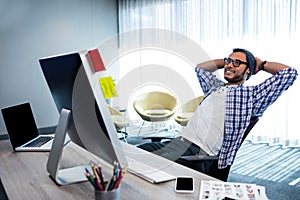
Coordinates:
(148,172)
(39,141)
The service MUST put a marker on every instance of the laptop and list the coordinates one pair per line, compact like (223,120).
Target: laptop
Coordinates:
(22,129)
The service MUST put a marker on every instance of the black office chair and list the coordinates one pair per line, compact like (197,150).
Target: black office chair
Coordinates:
(208,164)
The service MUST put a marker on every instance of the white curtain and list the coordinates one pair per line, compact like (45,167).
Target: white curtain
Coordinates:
(270,29)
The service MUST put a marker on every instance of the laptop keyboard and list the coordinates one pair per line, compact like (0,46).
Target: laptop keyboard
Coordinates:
(39,141)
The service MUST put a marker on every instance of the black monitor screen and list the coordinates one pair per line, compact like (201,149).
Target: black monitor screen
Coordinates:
(60,73)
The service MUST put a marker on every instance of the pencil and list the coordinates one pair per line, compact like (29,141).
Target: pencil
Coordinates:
(96,179)
(99,172)
(90,179)
(112,183)
(98,185)
(117,182)
(87,171)
(116,169)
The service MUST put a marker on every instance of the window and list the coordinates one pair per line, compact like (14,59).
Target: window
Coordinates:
(269,29)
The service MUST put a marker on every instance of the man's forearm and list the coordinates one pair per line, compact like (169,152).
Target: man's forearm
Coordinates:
(273,67)
(212,65)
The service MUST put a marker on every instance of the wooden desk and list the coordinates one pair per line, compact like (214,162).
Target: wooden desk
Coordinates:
(24,176)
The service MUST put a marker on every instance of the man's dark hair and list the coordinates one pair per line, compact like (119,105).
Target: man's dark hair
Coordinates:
(251,60)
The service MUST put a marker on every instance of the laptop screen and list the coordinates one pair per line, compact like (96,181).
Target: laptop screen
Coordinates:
(20,124)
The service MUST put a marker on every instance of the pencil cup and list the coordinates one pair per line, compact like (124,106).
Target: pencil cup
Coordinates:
(108,195)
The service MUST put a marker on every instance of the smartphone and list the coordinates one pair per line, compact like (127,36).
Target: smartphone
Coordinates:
(184,184)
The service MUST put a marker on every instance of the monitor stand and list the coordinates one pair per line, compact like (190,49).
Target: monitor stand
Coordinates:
(68,175)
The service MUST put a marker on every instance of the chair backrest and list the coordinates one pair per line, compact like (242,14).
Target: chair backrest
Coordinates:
(113,111)
(191,105)
(156,100)
(155,106)
(253,121)
(184,113)
(120,121)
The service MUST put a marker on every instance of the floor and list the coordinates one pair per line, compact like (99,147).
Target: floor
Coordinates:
(272,166)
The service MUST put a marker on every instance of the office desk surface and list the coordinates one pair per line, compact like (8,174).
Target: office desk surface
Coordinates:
(24,176)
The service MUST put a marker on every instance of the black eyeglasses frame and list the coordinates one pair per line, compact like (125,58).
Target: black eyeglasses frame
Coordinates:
(235,62)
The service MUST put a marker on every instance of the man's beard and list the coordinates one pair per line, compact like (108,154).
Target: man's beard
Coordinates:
(236,79)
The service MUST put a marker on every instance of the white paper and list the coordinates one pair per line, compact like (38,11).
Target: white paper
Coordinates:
(217,190)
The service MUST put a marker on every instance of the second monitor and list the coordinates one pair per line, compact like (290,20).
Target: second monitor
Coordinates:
(89,121)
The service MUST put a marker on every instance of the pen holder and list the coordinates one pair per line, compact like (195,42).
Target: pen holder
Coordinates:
(108,195)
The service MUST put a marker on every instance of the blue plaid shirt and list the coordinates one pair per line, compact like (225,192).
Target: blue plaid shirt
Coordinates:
(242,102)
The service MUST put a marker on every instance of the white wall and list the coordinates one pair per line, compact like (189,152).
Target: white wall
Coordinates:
(31,29)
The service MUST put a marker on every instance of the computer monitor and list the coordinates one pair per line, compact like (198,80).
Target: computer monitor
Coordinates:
(60,73)
(89,123)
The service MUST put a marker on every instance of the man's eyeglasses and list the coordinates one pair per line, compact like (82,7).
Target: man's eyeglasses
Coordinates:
(235,63)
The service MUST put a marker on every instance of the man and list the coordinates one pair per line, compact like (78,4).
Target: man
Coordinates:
(218,125)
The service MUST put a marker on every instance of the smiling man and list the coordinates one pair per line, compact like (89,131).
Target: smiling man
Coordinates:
(219,123)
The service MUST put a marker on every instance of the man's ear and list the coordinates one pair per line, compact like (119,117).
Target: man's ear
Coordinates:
(248,71)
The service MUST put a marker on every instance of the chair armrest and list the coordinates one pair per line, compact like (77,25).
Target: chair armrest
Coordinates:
(199,157)
(157,138)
